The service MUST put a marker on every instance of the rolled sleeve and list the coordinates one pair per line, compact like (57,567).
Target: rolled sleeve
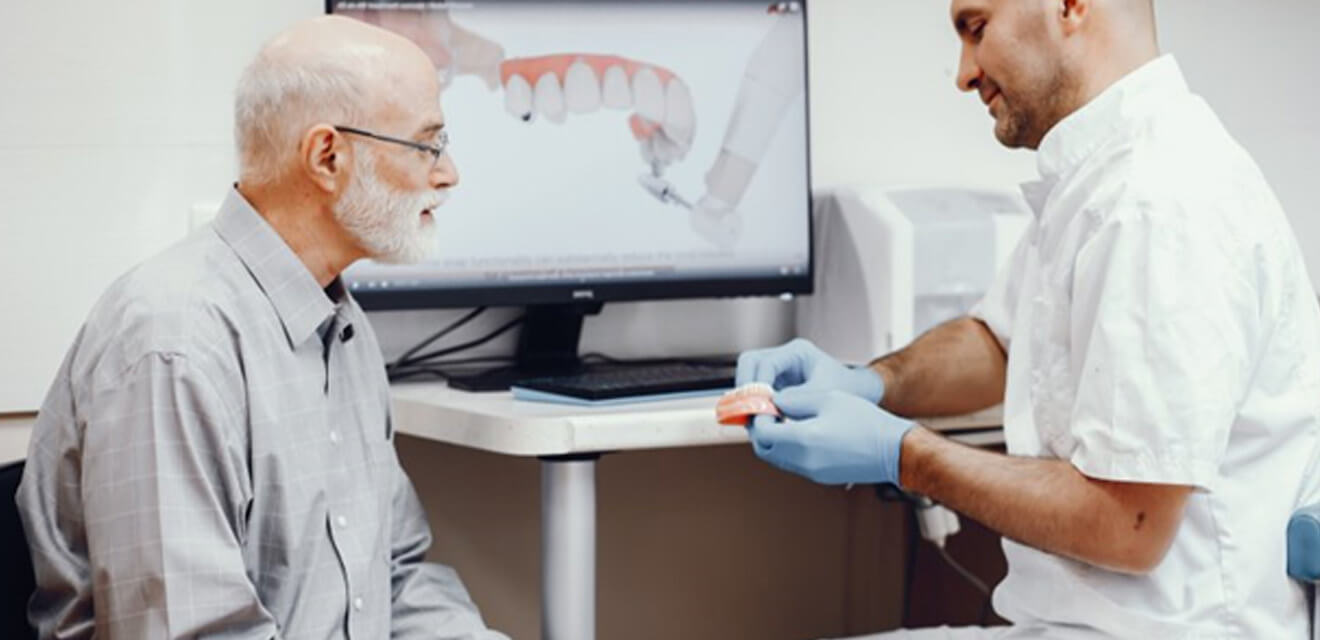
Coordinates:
(1163,319)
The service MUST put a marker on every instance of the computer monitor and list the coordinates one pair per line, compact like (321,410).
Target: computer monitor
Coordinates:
(608,150)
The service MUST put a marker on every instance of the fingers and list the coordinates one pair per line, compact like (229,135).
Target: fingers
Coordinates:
(778,444)
(778,366)
(746,364)
(767,433)
(801,403)
(756,366)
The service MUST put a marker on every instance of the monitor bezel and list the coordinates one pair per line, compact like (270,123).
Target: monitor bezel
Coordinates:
(386,299)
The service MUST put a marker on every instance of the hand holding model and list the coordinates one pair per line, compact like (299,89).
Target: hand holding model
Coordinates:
(802,364)
(836,432)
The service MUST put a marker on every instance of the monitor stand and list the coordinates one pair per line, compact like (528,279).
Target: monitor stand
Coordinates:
(547,345)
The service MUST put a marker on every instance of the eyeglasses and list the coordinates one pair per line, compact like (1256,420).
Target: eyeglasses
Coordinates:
(435,151)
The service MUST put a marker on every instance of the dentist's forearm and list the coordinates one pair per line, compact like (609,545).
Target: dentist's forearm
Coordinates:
(1047,504)
(957,367)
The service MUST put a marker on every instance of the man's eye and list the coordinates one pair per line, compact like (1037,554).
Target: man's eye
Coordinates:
(977,29)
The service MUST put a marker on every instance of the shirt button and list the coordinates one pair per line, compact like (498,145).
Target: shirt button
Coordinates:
(358,604)
(341,521)
(334,437)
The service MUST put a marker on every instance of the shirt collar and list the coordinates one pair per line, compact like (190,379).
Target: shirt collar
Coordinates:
(299,301)
(1079,134)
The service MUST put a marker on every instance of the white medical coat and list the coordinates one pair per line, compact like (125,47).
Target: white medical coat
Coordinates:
(1161,327)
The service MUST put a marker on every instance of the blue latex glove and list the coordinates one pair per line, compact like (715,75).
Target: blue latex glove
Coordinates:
(832,437)
(803,365)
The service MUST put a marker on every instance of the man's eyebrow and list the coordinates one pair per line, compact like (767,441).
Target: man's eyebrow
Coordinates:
(430,129)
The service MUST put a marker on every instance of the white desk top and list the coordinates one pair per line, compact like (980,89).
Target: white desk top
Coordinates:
(496,422)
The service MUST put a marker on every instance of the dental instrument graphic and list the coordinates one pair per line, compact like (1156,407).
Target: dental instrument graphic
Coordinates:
(771,82)
(663,190)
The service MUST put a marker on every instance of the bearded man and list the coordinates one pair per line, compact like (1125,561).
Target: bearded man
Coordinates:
(215,457)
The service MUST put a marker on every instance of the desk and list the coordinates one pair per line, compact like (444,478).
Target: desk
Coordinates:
(569,440)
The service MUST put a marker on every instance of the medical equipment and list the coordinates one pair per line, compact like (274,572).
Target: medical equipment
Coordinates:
(894,262)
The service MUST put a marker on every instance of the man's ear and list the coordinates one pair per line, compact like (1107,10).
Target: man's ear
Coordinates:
(322,156)
(1073,13)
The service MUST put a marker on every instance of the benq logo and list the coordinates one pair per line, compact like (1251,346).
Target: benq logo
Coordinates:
(584,294)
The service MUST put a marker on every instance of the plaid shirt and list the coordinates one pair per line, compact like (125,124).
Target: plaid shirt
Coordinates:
(215,458)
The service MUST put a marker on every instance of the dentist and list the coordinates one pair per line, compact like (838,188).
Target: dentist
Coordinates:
(1155,343)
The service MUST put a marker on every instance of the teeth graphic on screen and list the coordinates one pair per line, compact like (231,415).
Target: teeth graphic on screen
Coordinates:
(614,90)
(581,89)
(680,120)
(648,95)
(518,97)
(663,120)
(549,98)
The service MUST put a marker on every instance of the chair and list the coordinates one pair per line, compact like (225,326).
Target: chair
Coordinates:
(1304,555)
(16,581)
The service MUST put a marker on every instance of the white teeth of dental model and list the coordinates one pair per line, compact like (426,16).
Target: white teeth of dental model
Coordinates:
(581,90)
(648,95)
(680,121)
(518,97)
(614,91)
(549,98)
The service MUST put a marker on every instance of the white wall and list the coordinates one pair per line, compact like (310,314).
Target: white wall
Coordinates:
(1254,62)
(116,120)
(885,110)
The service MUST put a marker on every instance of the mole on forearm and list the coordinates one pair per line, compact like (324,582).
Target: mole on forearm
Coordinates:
(1141,519)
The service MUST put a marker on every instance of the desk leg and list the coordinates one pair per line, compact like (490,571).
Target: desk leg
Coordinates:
(568,548)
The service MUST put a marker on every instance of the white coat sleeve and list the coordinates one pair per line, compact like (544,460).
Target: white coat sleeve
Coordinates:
(1163,327)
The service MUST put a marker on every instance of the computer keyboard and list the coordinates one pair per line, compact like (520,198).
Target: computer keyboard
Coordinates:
(634,380)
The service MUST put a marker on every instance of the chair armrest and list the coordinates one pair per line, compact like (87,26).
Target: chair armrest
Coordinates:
(1304,544)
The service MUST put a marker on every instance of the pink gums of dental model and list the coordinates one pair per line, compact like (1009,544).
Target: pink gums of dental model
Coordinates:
(533,68)
(737,407)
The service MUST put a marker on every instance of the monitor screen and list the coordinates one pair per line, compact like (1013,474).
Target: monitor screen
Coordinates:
(610,150)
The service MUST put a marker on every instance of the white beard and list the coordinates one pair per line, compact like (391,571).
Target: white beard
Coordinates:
(388,223)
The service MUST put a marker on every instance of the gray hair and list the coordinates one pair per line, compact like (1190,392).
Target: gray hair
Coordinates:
(279,97)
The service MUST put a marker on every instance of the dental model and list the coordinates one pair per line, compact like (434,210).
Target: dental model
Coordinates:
(552,87)
(737,407)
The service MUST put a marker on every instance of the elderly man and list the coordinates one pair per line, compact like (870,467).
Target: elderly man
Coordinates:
(1155,343)
(215,458)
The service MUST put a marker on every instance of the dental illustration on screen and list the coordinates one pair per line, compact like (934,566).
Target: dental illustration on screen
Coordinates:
(655,98)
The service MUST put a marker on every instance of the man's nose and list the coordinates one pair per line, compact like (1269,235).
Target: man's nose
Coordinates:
(444,175)
(969,73)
